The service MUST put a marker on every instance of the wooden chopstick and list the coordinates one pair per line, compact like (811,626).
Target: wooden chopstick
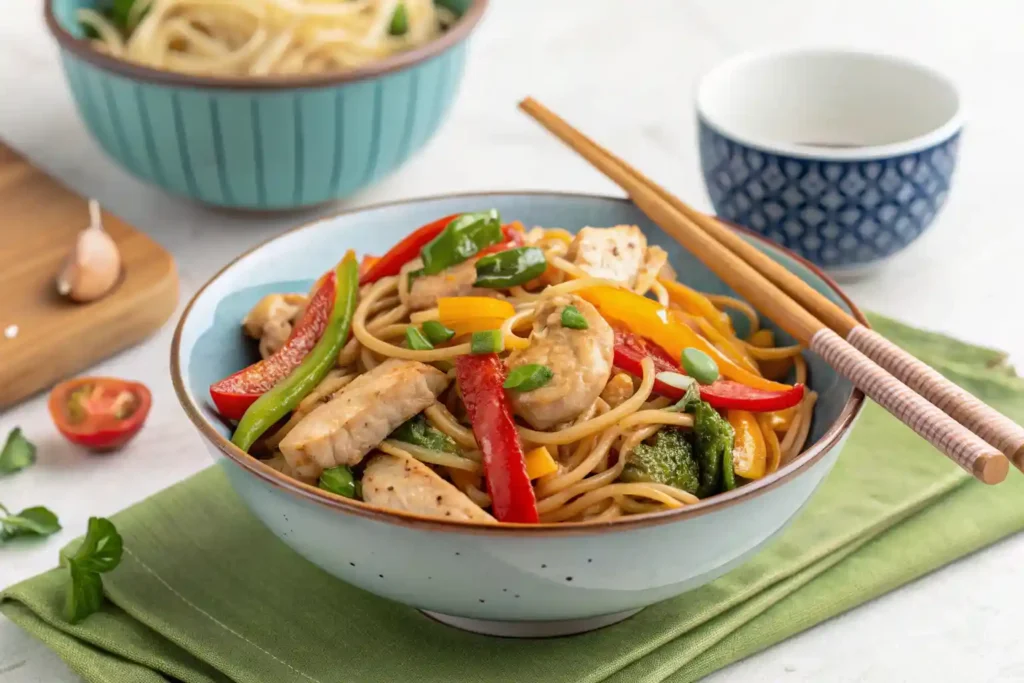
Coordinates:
(951,438)
(979,417)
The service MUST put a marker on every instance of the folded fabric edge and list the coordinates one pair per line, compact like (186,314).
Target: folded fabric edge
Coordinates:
(841,549)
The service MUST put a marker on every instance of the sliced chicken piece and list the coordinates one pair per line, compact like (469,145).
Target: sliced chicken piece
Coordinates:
(656,264)
(618,389)
(361,415)
(580,359)
(455,281)
(271,320)
(398,483)
(611,253)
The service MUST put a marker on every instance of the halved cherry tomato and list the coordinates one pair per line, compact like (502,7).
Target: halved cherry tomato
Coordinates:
(99,413)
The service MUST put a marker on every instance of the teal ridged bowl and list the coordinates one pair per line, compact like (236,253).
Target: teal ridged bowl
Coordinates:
(267,143)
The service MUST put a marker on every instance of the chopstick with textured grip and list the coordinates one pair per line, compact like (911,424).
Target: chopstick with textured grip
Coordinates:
(952,439)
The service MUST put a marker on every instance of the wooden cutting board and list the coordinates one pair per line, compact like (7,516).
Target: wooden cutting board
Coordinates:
(56,338)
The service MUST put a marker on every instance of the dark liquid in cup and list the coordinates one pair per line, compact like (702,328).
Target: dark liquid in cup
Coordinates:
(837,145)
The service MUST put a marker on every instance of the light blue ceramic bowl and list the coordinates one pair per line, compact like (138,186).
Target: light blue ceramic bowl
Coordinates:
(843,157)
(268,143)
(507,579)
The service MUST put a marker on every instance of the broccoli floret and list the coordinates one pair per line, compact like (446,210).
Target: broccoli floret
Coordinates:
(665,458)
(714,438)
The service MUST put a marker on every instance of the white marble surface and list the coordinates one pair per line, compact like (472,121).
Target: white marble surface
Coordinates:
(624,71)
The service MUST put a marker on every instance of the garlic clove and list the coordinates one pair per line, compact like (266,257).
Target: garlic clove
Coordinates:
(94,265)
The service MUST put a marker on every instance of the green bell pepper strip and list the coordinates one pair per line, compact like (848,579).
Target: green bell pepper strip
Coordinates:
(510,268)
(460,240)
(284,396)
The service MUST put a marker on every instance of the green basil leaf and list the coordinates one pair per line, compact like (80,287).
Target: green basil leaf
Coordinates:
(418,431)
(416,341)
(437,333)
(510,268)
(399,21)
(102,548)
(33,521)
(488,341)
(339,480)
(84,592)
(17,454)
(573,319)
(528,377)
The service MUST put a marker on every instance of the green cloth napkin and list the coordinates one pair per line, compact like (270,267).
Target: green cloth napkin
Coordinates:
(205,593)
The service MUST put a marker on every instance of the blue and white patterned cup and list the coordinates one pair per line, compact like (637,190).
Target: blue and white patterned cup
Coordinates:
(844,157)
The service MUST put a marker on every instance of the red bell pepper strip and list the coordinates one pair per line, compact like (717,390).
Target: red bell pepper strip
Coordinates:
(367,263)
(480,379)
(405,251)
(630,350)
(409,248)
(233,395)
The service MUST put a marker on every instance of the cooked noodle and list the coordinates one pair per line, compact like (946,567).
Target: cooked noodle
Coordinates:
(266,37)
(592,450)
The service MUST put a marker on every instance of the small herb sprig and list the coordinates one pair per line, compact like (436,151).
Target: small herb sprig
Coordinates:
(33,521)
(99,553)
(17,454)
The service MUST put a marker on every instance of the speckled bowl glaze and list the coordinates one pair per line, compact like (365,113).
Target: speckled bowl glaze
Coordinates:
(843,157)
(513,580)
(266,143)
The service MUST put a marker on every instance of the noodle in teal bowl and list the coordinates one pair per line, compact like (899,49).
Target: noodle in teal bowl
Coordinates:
(258,118)
(490,406)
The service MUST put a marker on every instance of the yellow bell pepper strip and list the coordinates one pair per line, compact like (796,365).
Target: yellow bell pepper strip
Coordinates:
(780,420)
(763,339)
(749,453)
(282,398)
(771,442)
(695,303)
(647,318)
(468,314)
(540,463)
(722,343)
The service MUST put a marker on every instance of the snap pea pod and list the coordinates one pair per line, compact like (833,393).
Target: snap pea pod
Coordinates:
(461,239)
(510,268)
(284,396)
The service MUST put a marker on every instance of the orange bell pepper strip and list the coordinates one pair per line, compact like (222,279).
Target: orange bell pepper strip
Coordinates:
(723,343)
(695,303)
(762,339)
(771,442)
(649,319)
(540,463)
(749,453)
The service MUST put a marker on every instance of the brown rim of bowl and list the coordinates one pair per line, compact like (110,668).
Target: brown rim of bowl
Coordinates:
(800,464)
(455,34)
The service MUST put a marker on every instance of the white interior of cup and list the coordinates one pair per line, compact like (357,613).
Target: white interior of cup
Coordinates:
(829,103)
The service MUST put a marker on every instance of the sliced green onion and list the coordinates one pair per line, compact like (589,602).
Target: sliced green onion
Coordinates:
(488,341)
(339,480)
(528,377)
(399,21)
(437,333)
(416,341)
(699,365)
(573,319)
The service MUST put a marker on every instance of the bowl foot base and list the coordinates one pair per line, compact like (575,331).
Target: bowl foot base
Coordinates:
(531,629)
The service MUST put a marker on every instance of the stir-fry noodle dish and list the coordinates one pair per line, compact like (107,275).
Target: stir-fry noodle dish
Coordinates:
(482,371)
